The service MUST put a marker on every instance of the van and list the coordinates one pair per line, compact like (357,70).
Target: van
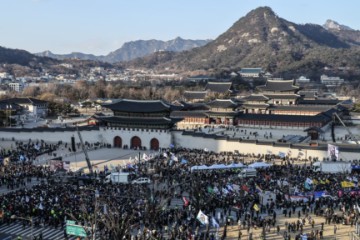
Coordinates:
(247,172)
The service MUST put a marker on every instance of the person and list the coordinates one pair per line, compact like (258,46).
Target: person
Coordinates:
(335,229)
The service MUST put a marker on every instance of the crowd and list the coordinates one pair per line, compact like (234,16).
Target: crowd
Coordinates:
(135,211)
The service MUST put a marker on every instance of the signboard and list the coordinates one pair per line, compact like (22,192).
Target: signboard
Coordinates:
(77,230)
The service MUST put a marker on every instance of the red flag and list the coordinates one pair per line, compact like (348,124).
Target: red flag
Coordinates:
(186,202)
(245,188)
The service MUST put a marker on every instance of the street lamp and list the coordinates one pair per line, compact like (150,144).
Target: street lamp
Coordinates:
(30,219)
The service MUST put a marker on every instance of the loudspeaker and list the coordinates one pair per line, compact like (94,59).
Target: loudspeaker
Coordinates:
(73,148)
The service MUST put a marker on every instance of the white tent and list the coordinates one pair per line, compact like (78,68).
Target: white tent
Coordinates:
(202,167)
(260,165)
(218,166)
(235,165)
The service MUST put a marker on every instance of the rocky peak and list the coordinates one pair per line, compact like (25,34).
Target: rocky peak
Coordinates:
(333,25)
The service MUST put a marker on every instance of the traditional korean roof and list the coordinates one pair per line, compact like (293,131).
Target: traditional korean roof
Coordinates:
(319,101)
(222,103)
(222,114)
(284,118)
(139,106)
(255,97)
(278,86)
(193,106)
(184,114)
(282,96)
(308,94)
(139,121)
(252,106)
(251,70)
(9,106)
(219,87)
(300,108)
(194,94)
(30,101)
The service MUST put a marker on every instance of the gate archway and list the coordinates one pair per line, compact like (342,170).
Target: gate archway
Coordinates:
(117,142)
(154,144)
(135,142)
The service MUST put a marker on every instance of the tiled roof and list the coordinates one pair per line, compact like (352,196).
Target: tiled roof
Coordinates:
(183,114)
(278,86)
(7,106)
(138,121)
(319,101)
(300,108)
(251,106)
(282,96)
(195,94)
(32,101)
(308,94)
(255,97)
(139,106)
(222,103)
(250,70)
(219,87)
(284,118)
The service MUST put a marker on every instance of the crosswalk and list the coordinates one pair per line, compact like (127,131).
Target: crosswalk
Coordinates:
(49,233)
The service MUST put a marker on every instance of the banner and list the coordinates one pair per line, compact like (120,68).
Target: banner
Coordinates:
(333,152)
(202,218)
(347,184)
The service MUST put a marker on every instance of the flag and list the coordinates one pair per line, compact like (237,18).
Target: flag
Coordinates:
(256,207)
(289,152)
(105,209)
(210,190)
(202,218)
(145,157)
(258,188)
(184,161)
(347,184)
(214,223)
(309,181)
(186,201)
(282,154)
(333,152)
(171,145)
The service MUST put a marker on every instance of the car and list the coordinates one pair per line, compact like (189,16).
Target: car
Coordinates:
(141,180)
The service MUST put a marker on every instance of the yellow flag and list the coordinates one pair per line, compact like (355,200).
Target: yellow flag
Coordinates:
(256,207)
(346,184)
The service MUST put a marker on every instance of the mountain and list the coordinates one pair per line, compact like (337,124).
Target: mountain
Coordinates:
(133,49)
(21,57)
(343,32)
(263,39)
(73,55)
(333,25)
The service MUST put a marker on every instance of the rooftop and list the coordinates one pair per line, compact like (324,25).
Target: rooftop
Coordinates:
(219,87)
(278,86)
(139,106)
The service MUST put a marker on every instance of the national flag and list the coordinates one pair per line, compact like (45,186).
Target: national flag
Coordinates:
(184,161)
(256,207)
(202,218)
(214,223)
(186,201)
(258,188)
(309,181)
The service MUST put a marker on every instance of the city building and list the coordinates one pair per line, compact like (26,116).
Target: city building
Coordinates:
(35,107)
(331,81)
(250,72)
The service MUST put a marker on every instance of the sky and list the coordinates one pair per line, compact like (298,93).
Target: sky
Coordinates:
(101,26)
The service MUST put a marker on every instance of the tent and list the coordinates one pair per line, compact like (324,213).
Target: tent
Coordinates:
(260,165)
(235,165)
(218,166)
(202,167)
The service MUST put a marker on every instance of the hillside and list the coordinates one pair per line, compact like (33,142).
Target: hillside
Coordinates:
(343,32)
(263,39)
(132,50)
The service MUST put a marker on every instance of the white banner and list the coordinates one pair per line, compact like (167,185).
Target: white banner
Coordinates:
(333,152)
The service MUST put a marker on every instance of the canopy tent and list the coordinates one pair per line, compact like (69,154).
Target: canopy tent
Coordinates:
(260,165)
(217,166)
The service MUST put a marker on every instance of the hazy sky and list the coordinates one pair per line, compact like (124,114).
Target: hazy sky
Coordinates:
(101,26)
